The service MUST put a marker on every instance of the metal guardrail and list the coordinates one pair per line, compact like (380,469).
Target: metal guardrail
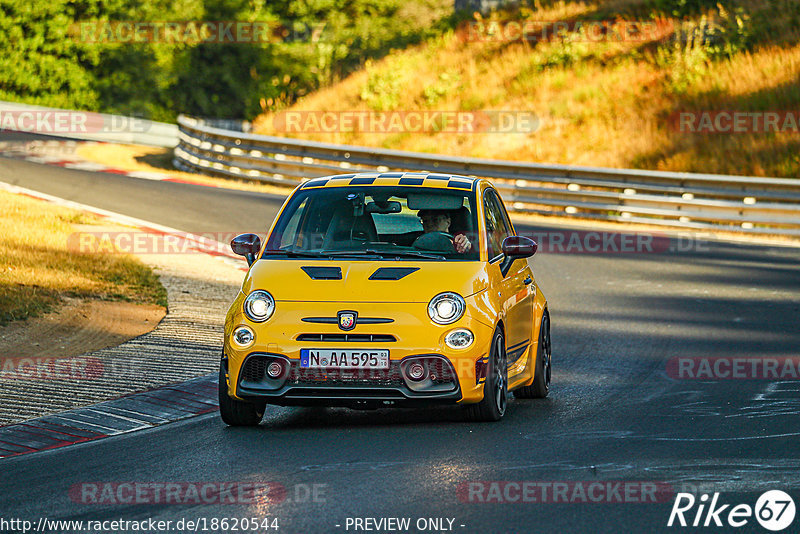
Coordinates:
(691,201)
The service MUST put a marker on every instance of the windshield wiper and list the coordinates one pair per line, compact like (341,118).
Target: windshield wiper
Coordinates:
(360,253)
(296,253)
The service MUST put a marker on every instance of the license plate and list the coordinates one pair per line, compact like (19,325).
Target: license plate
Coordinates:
(344,358)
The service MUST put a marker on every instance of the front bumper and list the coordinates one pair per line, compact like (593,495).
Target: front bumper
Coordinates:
(412,335)
(352,388)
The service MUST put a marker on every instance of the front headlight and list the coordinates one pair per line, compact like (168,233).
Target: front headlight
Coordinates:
(259,306)
(446,308)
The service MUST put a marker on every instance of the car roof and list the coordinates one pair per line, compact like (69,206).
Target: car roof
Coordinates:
(410,179)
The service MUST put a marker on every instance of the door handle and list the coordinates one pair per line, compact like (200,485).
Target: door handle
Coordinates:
(528,280)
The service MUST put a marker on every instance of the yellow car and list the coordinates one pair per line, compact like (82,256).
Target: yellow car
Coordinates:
(379,290)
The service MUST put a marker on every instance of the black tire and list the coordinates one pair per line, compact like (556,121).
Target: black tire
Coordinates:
(235,412)
(495,389)
(544,364)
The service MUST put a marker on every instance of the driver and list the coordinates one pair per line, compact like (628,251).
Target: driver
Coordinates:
(439,221)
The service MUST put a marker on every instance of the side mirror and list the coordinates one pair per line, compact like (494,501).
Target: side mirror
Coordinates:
(516,247)
(246,245)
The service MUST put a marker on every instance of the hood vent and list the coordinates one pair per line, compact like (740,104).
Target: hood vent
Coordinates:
(323,273)
(392,273)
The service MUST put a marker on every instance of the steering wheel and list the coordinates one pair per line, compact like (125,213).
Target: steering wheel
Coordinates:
(436,242)
(448,236)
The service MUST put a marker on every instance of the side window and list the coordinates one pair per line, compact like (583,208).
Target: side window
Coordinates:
(504,214)
(497,226)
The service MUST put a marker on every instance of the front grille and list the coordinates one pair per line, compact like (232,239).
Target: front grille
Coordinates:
(344,393)
(348,338)
(335,320)
(254,369)
(440,372)
(333,377)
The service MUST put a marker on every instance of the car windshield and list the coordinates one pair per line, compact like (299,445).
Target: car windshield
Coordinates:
(380,223)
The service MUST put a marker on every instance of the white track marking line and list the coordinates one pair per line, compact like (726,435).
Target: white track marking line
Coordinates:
(145,175)
(85,166)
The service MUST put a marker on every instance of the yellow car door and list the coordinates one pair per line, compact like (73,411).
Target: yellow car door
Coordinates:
(515,287)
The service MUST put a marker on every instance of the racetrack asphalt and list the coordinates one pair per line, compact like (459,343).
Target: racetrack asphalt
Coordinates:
(616,413)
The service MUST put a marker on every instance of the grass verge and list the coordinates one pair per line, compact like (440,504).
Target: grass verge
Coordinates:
(600,102)
(37,269)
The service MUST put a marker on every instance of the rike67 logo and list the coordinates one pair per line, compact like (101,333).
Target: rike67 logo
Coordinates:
(774,510)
